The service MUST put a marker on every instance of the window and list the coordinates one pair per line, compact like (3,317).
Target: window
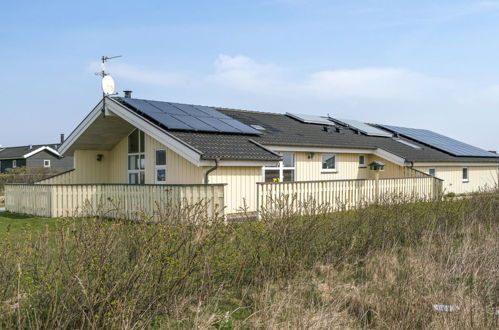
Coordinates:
(362,161)
(431,172)
(14,163)
(46,163)
(465,174)
(284,172)
(136,157)
(328,163)
(160,166)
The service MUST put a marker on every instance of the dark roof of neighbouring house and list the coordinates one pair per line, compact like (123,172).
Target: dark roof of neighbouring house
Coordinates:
(19,152)
(282,130)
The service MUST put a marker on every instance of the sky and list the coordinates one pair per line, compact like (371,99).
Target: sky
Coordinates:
(422,64)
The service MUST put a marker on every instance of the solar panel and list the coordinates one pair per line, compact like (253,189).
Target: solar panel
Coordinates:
(188,117)
(210,111)
(441,142)
(362,127)
(310,119)
(190,110)
(219,124)
(162,106)
(169,121)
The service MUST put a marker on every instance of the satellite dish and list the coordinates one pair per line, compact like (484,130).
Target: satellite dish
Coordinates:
(108,85)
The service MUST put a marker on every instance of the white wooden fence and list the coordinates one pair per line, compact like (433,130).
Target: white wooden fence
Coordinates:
(112,200)
(149,201)
(337,195)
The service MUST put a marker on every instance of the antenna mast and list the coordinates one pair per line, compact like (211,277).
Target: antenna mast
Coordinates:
(103,60)
(107,82)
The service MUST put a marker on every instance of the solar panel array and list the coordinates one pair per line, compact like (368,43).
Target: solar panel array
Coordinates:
(364,128)
(441,142)
(311,119)
(177,116)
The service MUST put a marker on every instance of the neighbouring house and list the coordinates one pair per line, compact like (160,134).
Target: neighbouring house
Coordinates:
(125,140)
(34,156)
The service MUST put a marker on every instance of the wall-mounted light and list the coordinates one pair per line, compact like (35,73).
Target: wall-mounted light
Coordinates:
(99,157)
(310,155)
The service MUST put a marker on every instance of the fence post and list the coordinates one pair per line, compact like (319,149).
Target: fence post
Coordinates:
(52,201)
(258,217)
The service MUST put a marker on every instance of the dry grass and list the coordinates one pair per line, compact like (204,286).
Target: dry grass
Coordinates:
(380,267)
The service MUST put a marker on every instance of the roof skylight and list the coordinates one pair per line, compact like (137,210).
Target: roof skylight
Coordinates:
(258,127)
(407,143)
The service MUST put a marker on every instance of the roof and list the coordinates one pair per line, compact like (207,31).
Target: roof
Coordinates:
(283,130)
(21,151)
(227,146)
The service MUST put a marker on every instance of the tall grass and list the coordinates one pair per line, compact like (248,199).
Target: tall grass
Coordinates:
(377,267)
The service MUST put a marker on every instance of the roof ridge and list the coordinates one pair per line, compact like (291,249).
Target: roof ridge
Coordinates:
(33,145)
(210,106)
(250,111)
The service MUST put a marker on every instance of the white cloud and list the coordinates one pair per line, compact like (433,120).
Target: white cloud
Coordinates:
(374,83)
(245,74)
(149,77)
(486,4)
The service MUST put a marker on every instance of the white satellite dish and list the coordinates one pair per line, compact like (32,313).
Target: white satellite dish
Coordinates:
(108,86)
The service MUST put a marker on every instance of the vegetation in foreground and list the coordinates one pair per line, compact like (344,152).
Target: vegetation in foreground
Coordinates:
(378,267)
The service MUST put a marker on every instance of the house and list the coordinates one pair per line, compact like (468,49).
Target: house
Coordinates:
(34,156)
(125,140)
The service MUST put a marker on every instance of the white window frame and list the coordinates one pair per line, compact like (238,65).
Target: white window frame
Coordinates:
(281,168)
(138,154)
(46,163)
(362,165)
(467,179)
(14,163)
(434,171)
(160,167)
(329,170)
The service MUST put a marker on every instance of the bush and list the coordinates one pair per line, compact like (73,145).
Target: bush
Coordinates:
(24,175)
(379,267)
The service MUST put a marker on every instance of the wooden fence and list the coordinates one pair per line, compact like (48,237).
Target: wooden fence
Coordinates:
(337,195)
(112,200)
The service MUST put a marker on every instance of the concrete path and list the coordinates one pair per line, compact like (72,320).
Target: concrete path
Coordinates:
(2,209)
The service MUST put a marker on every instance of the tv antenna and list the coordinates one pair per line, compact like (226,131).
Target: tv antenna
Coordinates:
(108,85)
(107,82)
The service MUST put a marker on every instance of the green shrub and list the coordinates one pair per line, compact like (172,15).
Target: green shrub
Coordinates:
(23,175)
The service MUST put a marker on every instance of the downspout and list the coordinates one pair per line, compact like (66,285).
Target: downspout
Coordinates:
(206,181)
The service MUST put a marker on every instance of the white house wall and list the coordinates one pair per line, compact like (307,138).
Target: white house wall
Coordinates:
(480,177)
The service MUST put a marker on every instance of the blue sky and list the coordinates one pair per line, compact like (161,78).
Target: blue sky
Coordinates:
(425,64)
